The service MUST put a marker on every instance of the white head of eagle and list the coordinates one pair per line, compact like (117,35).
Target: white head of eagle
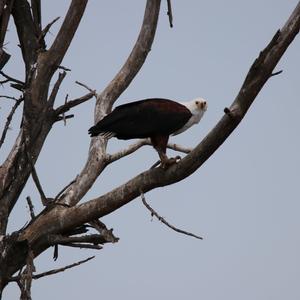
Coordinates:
(154,118)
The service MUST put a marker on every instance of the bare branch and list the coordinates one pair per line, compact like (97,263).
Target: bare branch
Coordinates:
(31,208)
(72,103)
(8,120)
(169,13)
(55,271)
(46,29)
(134,147)
(133,63)
(154,213)
(67,31)
(276,73)
(8,97)
(37,183)
(9,78)
(88,88)
(56,87)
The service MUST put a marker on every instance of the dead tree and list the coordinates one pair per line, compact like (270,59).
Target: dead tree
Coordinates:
(64,221)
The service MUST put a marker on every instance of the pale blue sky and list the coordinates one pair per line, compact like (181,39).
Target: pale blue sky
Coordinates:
(244,201)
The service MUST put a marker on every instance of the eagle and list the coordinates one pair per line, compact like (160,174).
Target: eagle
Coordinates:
(153,118)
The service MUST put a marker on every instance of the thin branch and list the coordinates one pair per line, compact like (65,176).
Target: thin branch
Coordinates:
(31,207)
(276,73)
(8,120)
(9,78)
(8,97)
(47,28)
(72,103)
(154,213)
(64,68)
(134,147)
(169,13)
(56,87)
(88,88)
(54,271)
(45,200)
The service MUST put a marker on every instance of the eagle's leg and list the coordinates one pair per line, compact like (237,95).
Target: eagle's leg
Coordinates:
(160,144)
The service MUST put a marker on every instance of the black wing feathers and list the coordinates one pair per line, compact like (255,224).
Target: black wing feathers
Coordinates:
(142,119)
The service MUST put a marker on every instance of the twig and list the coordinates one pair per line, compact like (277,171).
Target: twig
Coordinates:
(9,78)
(31,207)
(9,118)
(154,213)
(169,13)
(134,147)
(54,271)
(8,97)
(276,73)
(85,86)
(56,87)
(64,115)
(64,68)
(47,28)
(37,181)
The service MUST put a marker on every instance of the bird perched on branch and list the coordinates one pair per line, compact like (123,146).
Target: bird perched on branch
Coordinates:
(156,119)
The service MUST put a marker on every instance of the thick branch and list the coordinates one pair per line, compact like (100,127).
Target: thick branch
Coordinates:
(68,28)
(26,32)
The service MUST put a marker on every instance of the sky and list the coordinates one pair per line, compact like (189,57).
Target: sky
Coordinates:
(244,200)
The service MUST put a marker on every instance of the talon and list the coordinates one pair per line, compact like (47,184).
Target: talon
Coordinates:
(166,163)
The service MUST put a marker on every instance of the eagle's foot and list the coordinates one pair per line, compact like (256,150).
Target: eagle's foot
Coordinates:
(166,163)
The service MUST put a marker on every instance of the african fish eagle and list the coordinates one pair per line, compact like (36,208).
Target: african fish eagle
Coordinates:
(156,119)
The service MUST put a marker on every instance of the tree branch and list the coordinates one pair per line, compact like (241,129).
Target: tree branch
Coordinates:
(54,271)
(154,213)
(56,87)
(72,103)
(8,120)
(134,147)
(68,28)
(169,13)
